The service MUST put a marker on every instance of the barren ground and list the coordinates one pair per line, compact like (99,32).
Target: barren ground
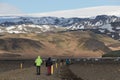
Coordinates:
(98,71)
(12,71)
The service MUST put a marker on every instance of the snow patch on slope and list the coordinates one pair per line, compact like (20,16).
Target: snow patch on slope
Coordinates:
(108,27)
(28,28)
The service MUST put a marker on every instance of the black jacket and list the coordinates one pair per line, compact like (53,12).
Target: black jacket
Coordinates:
(49,62)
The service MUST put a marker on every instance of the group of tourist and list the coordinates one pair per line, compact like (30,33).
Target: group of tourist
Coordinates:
(49,63)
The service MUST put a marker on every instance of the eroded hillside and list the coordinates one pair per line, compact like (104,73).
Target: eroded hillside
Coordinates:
(72,44)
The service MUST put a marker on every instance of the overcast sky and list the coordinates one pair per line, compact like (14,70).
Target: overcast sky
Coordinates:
(39,6)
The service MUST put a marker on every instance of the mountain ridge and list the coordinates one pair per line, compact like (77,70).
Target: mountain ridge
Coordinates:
(101,24)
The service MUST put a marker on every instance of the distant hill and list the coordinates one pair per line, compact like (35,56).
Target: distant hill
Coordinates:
(55,44)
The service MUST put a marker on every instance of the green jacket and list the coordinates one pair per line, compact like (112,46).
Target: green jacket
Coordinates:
(38,61)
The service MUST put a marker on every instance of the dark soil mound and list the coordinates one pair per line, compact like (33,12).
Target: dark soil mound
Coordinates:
(67,74)
(11,44)
(95,45)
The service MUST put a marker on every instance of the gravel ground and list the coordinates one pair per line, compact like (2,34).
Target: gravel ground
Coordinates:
(77,71)
(27,74)
(10,70)
(90,71)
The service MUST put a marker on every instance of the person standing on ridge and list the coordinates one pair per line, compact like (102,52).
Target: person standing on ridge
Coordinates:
(49,63)
(38,63)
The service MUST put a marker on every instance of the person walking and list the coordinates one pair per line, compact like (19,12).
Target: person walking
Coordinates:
(67,61)
(49,63)
(38,63)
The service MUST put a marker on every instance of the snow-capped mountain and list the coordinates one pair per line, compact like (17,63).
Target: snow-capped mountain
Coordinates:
(60,22)
(103,24)
(73,23)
